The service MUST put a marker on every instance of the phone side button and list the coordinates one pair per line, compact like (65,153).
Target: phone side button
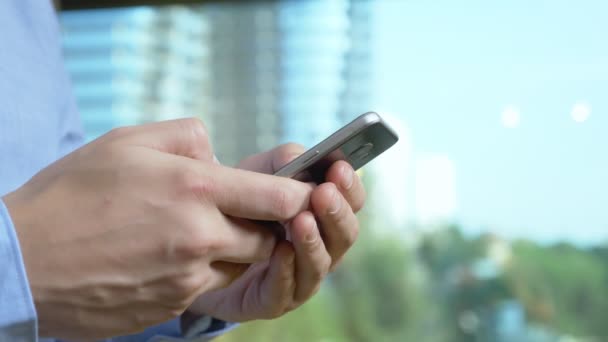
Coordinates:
(361,152)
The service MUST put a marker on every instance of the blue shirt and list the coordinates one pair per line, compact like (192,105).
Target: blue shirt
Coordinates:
(39,123)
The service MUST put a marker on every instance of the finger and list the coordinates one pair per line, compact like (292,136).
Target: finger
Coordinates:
(184,137)
(271,161)
(244,242)
(348,182)
(278,286)
(312,259)
(251,195)
(222,274)
(339,225)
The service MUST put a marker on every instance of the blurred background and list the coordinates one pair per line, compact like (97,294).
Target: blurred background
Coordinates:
(489,219)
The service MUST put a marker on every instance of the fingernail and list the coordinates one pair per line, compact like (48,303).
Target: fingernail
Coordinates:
(335,205)
(347,177)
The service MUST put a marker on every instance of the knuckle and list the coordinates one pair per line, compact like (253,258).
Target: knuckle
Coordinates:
(289,198)
(195,245)
(313,246)
(194,183)
(119,132)
(342,218)
(195,133)
(197,129)
(282,203)
(185,287)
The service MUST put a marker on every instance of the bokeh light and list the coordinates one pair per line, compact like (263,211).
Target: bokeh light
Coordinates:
(580,112)
(510,117)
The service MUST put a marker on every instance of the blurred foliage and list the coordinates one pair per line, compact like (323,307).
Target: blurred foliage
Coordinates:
(563,286)
(422,286)
(372,296)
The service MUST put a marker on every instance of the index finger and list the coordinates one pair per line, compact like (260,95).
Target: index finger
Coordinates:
(253,195)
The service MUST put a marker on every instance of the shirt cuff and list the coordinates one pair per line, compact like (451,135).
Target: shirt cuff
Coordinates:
(201,329)
(206,327)
(17,313)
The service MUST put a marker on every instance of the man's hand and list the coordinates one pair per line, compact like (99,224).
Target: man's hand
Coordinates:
(127,231)
(293,274)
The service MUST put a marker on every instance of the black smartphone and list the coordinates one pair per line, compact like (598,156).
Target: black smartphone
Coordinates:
(358,142)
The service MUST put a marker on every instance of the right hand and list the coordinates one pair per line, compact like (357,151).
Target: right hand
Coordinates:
(128,230)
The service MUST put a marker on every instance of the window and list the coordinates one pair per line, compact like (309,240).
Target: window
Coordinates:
(488,220)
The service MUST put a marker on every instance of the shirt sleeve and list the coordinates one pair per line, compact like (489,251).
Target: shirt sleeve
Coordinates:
(204,329)
(17,312)
(71,131)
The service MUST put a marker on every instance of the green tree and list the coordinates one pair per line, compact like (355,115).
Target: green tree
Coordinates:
(563,286)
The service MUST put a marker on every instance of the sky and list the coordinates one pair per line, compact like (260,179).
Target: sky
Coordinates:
(491,87)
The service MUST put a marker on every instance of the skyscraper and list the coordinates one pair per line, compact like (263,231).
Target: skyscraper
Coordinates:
(135,65)
(357,95)
(277,72)
(244,46)
(314,44)
(258,73)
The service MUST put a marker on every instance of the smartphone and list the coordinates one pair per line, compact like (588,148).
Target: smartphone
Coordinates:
(358,142)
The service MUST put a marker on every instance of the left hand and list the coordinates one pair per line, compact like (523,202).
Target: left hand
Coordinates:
(297,266)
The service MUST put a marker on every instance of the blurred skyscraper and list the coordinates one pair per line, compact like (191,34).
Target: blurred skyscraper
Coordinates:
(314,46)
(245,73)
(137,64)
(358,92)
(277,73)
(260,72)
